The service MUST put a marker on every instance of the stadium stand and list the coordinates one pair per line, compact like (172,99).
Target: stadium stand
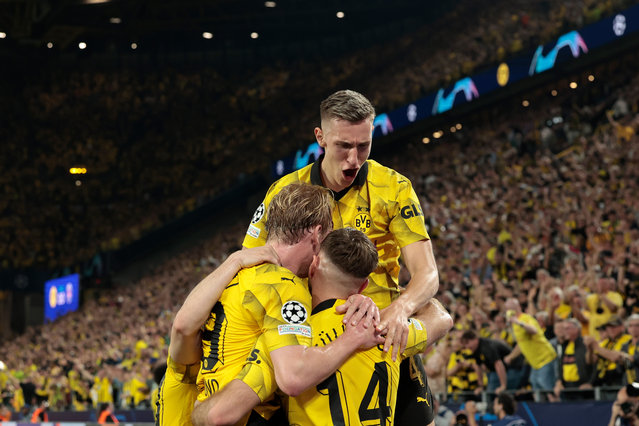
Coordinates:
(527,204)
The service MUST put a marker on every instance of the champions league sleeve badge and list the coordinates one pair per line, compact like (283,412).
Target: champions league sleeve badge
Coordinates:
(259,212)
(294,313)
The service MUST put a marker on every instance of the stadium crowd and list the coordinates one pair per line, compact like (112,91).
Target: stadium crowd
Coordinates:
(150,156)
(512,218)
(508,217)
(102,353)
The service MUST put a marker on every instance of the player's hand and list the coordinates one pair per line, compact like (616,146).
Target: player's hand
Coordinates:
(365,337)
(357,308)
(256,255)
(394,325)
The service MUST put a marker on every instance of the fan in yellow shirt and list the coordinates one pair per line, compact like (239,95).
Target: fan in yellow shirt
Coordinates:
(532,343)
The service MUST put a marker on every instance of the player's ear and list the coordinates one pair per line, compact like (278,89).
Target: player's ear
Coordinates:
(319,136)
(314,266)
(363,286)
(317,235)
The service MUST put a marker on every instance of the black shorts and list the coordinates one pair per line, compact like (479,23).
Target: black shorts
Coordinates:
(414,399)
(278,419)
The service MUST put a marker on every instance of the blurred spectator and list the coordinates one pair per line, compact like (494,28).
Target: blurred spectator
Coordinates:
(505,408)
(625,409)
(443,415)
(533,345)
(603,304)
(463,373)
(40,414)
(575,366)
(631,361)
(488,353)
(608,353)
(5,413)
(105,414)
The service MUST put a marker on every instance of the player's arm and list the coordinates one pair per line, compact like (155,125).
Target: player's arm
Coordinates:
(185,346)
(225,407)
(299,367)
(420,261)
(436,319)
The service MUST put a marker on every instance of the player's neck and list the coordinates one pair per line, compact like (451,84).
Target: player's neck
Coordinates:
(322,290)
(294,257)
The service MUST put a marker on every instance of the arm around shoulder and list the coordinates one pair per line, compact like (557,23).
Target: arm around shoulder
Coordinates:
(185,332)
(436,320)
(299,367)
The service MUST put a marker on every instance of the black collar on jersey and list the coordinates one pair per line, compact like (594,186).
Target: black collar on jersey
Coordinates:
(322,306)
(316,177)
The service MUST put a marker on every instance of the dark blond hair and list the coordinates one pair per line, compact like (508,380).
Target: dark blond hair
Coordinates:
(296,209)
(351,251)
(347,105)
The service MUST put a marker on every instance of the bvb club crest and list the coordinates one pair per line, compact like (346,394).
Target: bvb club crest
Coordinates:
(362,222)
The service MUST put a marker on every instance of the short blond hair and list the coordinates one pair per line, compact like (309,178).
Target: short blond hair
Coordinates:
(296,209)
(347,105)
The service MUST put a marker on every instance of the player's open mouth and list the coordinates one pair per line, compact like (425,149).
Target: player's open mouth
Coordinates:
(350,173)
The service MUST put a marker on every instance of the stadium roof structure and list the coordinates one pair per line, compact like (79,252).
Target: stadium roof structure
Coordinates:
(108,25)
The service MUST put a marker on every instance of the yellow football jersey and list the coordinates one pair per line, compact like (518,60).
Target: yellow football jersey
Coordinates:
(535,347)
(265,300)
(362,391)
(177,394)
(381,203)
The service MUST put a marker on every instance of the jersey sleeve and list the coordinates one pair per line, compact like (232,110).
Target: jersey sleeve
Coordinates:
(258,372)
(282,310)
(256,233)
(407,224)
(417,338)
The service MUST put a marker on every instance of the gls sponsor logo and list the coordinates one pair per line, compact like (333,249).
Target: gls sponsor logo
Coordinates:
(411,211)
